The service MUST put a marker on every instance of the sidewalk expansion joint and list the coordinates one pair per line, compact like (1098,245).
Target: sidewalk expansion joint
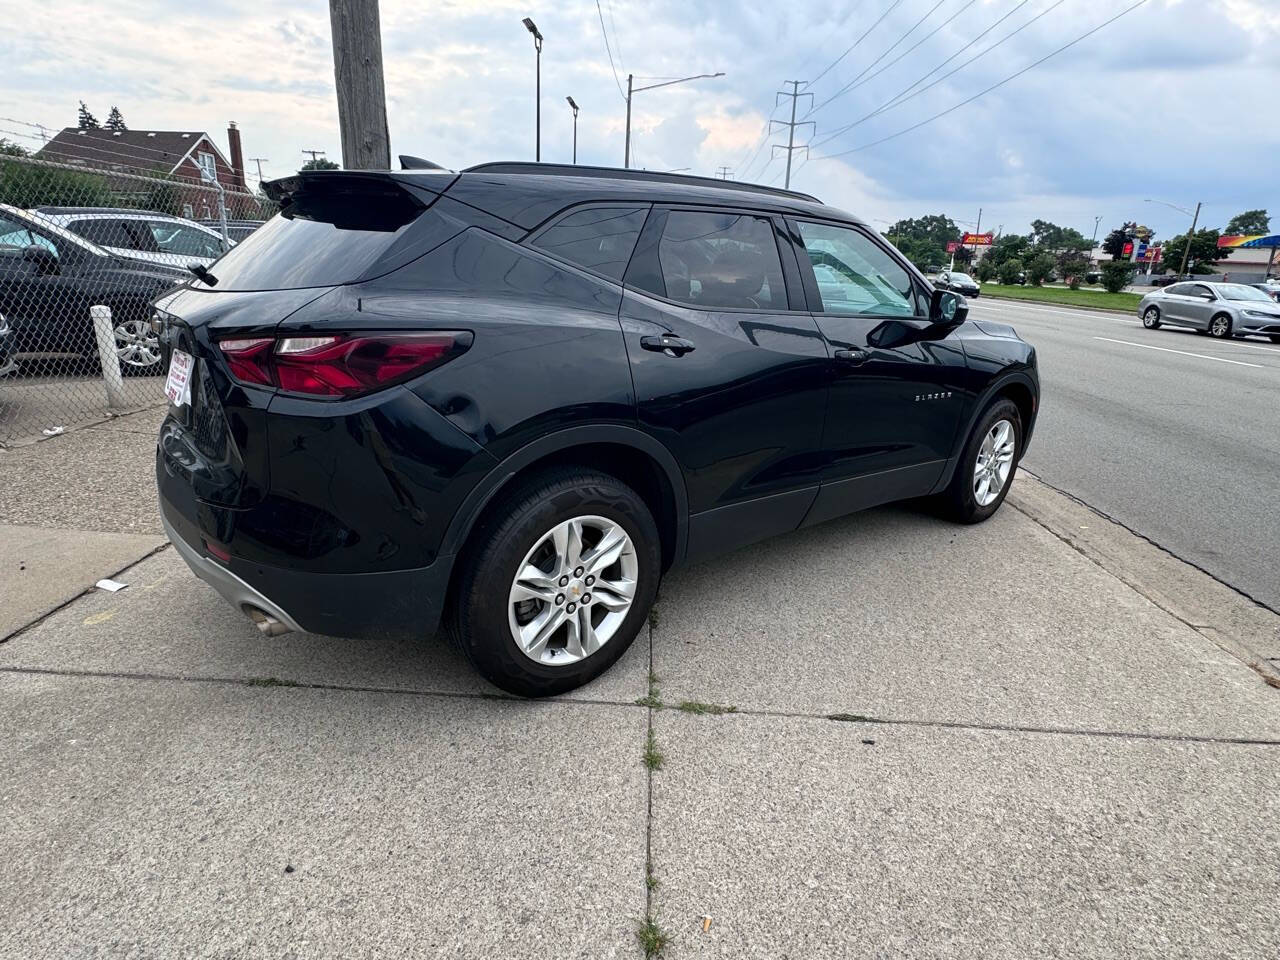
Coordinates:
(13,635)
(850,718)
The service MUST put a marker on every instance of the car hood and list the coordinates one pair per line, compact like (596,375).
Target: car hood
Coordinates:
(1257,305)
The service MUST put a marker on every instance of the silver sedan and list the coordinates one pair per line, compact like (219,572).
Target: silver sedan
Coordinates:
(1218,309)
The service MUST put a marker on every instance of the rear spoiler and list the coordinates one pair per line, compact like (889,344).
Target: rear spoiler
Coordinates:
(366,183)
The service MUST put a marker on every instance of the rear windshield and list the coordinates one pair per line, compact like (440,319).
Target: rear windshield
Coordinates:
(319,239)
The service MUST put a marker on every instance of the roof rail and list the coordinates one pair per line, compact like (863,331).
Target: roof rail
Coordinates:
(618,173)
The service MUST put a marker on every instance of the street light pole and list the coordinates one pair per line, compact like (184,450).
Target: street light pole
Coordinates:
(1093,244)
(573,106)
(631,88)
(1186,247)
(537,110)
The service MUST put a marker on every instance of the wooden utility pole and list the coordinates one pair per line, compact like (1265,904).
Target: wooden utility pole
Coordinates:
(362,97)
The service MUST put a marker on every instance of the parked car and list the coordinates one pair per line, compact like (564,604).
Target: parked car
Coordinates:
(8,363)
(237,230)
(50,277)
(1270,287)
(514,397)
(1164,280)
(961,283)
(1218,309)
(142,235)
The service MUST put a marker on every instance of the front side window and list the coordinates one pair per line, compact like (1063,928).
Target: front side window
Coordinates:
(721,260)
(855,276)
(15,233)
(1203,292)
(599,238)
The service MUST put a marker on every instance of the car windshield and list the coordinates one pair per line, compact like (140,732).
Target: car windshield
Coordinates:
(1238,291)
(963,277)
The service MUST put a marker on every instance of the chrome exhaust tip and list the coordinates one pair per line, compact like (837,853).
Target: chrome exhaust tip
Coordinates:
(268,624)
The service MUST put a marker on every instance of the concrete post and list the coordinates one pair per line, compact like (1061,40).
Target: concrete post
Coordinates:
(106,337)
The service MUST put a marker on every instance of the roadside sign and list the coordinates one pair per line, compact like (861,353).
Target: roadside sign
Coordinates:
(978,239)
(951,247)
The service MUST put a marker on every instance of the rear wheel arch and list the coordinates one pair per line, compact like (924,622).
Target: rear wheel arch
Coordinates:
(632,456)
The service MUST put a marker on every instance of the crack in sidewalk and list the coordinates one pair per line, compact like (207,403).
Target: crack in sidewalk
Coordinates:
(736,711)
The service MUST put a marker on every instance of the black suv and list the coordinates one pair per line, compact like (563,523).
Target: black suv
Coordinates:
(513,397)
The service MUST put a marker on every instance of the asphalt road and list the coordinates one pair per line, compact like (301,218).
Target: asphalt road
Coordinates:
(1170,432)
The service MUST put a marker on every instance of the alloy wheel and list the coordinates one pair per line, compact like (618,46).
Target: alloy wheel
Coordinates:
(573,590)
(1151,318)
(1219,326)
(994,463)
(136,345)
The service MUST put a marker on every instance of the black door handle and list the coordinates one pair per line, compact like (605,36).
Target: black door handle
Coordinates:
(854,356)
(669,344)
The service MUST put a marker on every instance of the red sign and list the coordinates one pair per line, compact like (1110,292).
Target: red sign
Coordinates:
(978,239)
(1128,248)
(1150,255)
(951,247)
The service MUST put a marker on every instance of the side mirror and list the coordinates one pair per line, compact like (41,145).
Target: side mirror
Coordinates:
(45,260)
(947,310)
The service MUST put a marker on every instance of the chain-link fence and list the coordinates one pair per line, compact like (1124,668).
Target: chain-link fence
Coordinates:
(83,251)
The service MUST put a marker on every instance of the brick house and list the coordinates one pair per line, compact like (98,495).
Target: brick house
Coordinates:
(188,157)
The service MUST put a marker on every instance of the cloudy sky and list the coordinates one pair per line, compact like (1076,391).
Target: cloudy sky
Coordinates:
(1176,100)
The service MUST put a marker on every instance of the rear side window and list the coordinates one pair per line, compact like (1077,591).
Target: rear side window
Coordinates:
(1180,290)
(322,237)
(721,260)
(599,238)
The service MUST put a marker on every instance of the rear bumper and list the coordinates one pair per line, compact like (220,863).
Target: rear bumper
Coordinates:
(234,590)
(398,604)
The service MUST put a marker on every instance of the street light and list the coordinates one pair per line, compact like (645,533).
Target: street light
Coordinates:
(626,156)
(1186,245)
(537,114)
(574,107)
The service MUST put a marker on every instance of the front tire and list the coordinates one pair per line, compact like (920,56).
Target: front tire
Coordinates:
(1220,327)
(985,471)
(559,583)
(1151,318)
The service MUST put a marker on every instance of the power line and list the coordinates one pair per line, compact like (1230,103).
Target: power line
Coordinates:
(314,154)
(725,173)
(937,116)
(855,43)
(852,83)
(763,139)
(909,93)
(911,49)
(607,49)
(791,124)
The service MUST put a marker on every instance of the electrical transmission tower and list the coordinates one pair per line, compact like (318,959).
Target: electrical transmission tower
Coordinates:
(725,173)
(791,147)
(314,154)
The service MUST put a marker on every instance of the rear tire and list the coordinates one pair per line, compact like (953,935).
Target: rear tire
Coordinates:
(961,501)
(1220,327)
(1151,318)
(487,618)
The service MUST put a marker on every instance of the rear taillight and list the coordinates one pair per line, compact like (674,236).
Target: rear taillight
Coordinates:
(342,365)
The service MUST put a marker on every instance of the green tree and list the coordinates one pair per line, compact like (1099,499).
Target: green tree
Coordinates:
(964,257)
(1129,233)
(1008,247)
(25,185)
(924,240)
(1116,275)
(1072,267)
(986,270)
(10,149)
(86,120)
(1203,251)
(1249,223)
(1055,239)
(318,163)
(115,121)
(1010,270)
(1039,268)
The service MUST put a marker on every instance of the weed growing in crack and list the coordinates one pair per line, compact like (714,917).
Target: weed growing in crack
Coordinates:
(699,708)
(653,939)
(652,755)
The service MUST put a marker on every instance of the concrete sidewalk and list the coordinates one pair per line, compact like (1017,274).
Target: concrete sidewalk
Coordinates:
(886,736)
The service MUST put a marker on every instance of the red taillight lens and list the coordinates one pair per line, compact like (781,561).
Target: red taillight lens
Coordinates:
(343,365)
(249,360)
